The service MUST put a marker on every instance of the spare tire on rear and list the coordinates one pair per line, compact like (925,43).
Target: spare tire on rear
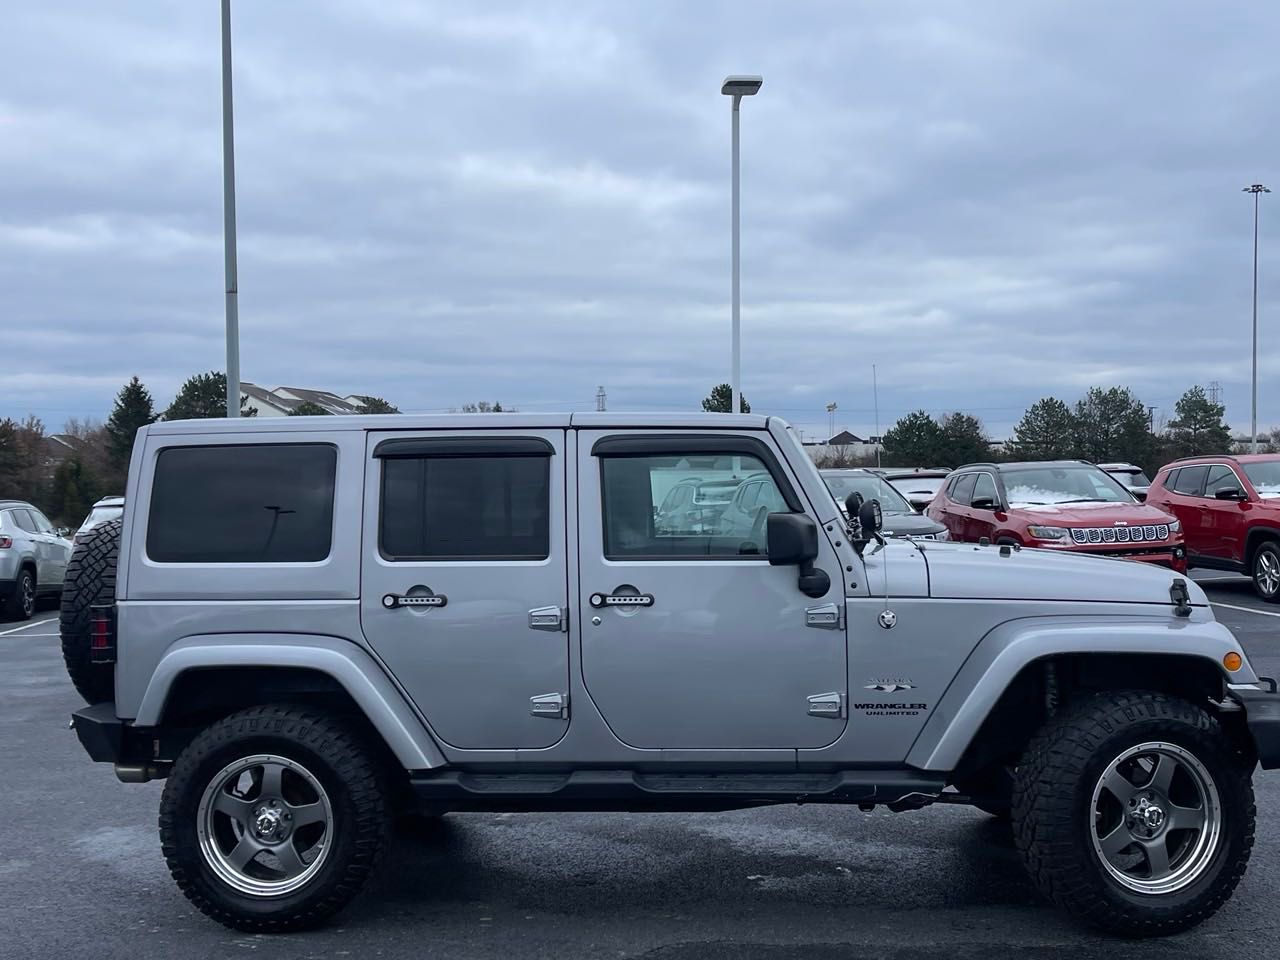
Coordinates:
(90,581)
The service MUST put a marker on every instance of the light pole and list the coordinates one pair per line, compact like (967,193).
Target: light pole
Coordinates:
(1257,190)
(229,221)
(737,87)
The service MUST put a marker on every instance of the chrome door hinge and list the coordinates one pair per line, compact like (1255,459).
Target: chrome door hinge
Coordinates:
(825,616)
(554,706)
(555,619)
(827,705)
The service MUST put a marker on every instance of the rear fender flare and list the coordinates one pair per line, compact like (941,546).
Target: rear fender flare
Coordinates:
(373,692)
(1002,654)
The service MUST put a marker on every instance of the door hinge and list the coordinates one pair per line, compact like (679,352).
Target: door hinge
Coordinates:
(825,616)
(827,705)
(555,619)
(553,706)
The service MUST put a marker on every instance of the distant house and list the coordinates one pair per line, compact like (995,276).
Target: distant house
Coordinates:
(57,448)
(845,439)
(282,401)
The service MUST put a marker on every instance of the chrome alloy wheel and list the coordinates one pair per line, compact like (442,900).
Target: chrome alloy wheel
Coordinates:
(1267,573)
(27,597)
(265,825)
(1156,820)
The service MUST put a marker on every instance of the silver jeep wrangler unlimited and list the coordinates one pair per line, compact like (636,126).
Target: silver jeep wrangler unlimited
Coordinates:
(309,626)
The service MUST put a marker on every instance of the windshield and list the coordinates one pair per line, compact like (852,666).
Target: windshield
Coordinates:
(1131,478)
(1036,486)
(1265,477)
(870,486)
(918,487)
(99,514)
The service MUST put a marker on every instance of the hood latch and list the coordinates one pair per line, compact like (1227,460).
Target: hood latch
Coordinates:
(1180,597)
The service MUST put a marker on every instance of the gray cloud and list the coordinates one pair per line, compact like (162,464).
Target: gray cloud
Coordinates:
(519,202)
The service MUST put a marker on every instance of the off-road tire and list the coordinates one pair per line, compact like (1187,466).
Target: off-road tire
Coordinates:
(346,766)
(1271,549)
(90,580)
(1052,815)
(22,605)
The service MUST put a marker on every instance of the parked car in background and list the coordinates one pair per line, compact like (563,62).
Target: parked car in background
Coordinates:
(919,485)
(108,508)
(33,558)
(1057,505)
(1230,513)
(693,506)
(901,519)
(745,515)
(1132,478)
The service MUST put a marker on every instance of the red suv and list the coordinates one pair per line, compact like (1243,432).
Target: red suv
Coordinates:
(1230,512)
(1056,505)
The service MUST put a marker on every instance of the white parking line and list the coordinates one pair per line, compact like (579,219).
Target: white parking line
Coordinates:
(28,626)
(1235,606)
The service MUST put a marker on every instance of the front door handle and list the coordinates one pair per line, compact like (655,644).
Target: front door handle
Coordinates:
(418,596)
(624,595)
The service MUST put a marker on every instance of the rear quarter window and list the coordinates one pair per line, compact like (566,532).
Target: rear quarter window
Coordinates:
(243,503)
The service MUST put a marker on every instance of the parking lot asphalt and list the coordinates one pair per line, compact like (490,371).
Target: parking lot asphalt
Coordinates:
(81,873)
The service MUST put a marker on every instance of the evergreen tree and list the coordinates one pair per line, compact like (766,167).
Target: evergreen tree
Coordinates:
(915,440)
(73,491)
(1112,425)
(963,441)
(204,396)
(376,405)
(1198,428)
(308,409)
(134,408)
(1046,431)
(720,400)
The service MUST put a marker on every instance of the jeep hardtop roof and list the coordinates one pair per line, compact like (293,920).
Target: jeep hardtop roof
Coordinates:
(469,421)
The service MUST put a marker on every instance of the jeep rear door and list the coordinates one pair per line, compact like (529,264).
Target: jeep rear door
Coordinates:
(464,580)
(695,641)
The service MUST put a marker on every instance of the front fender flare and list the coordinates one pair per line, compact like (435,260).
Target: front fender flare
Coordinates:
(374,693)
(1002,654)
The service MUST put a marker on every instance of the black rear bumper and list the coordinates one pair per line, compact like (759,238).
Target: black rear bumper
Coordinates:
(101,732)
(1262,716)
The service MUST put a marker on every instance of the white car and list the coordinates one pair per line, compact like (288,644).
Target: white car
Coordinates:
(108,508)
(1132,478)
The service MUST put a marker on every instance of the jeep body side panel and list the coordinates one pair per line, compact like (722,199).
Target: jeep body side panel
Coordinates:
(1003,653)
(474,656)
(722,658)
(375,694)
(337,576)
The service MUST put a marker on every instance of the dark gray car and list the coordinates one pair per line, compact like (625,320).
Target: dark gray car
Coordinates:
(901,519)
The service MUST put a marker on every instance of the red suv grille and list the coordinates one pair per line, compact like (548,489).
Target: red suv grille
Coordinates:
(1134,534)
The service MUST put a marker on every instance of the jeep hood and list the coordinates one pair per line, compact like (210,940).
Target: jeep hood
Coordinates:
(970,572)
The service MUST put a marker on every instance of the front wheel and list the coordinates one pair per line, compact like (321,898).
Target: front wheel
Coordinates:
(273,818)
(1134,811)
(1266,571)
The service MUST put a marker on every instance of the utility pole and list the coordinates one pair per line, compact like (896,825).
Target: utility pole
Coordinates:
(229,221)
(831,420)
(737,87)
(875,397)
(1151,419)
(1257,190)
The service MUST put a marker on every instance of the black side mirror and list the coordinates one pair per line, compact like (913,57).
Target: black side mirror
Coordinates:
(983,503)
(792,540)
(852,504)
(1229,493)
(871,518)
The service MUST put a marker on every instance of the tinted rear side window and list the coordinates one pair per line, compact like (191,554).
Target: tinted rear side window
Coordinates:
(466,508)
(1190,480)
(243,503)
(963,490)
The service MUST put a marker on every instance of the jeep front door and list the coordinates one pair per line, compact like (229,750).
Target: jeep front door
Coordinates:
(695,641)
(464,584)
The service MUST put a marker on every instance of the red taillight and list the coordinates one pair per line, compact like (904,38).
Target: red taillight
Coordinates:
(102,635)
(6,543)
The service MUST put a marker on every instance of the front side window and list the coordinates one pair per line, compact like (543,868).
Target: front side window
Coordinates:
(243,503)
(985,488)
(466,508)
(1220,477)
(707,525)
(1040,486)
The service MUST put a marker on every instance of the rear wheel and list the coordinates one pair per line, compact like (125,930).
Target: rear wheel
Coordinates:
(22,605)
(1266,571)
(273,818)
(1134,811)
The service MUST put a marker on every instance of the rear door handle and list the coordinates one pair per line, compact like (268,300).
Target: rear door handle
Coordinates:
(623,596)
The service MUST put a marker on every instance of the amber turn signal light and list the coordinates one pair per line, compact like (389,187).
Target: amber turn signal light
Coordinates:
(1233,661)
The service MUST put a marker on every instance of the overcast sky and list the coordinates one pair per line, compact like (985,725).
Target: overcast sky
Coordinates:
(992,202)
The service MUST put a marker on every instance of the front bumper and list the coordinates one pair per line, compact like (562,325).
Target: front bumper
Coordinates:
(1173,556)
(1262,717)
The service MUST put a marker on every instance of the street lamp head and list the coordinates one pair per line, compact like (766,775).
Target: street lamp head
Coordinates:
(741,86)
(1256,188)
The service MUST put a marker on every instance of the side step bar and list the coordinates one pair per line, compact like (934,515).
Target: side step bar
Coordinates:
(628,790)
